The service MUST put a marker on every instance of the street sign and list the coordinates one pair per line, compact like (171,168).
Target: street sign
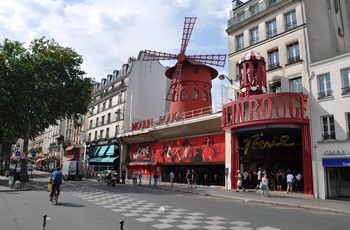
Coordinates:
(18,153)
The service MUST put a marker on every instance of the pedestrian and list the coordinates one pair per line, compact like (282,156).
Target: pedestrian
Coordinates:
(194,179)
(140,177)
(279,180)
(172,177)
(123,177)
(264,185)
(239,181)
(127,175)
(273,180)
(245,175)
(155,177)
(290,180)
(134,178)
(258,179)
(298,183)
(188,178)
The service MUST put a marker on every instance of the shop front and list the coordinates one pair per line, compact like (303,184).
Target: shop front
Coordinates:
(204,154)
(336,167)
(104,155)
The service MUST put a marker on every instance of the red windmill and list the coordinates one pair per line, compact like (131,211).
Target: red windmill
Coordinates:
(190,87)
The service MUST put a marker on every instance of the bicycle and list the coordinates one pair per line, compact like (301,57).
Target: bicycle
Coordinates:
(54,199)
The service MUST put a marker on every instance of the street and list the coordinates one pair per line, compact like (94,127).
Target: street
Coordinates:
(89,204)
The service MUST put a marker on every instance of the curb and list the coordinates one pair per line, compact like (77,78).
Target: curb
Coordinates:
(261,201)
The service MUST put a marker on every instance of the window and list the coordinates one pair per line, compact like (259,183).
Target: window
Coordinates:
(271,29)
(239,42)
(324,83)
(293,53)
(95,135)
(101,134)
(90,126)
(275,87)
(110,103)
(346,81)
(107,133)
(96,121)
(89,137)
(98,108)
(290,20)
(119,99)
(254,36)
(194,95)
(118,118)
(274,59)
(204,96)
(116,130)
(296,85)
(328,128)
(104,106)
(103,120)
(184,95)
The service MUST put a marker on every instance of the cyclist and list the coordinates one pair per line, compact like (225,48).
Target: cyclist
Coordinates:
(56,180)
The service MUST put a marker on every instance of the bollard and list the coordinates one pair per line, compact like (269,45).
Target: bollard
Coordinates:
(44,222)
(121,224)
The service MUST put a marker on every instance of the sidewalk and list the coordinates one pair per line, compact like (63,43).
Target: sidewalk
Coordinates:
(295,200)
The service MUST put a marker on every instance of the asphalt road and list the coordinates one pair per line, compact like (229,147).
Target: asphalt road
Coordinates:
(94,205)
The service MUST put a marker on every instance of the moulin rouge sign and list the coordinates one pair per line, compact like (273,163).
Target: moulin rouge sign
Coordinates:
(266,107)
(166,119)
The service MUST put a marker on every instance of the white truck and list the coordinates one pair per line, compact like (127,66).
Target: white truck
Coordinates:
(72,170)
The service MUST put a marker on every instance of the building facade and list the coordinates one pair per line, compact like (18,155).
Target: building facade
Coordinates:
(131,94)
(291,35)
(330,91)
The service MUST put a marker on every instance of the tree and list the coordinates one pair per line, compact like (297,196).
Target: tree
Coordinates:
(40,85)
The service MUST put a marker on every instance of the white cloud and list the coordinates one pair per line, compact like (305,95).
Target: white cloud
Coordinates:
(107,32)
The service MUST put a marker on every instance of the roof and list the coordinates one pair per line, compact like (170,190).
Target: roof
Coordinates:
(190,127)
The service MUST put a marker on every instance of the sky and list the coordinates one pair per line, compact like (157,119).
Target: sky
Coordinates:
(107,32)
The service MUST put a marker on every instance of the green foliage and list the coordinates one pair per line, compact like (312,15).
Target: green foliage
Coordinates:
(39,85)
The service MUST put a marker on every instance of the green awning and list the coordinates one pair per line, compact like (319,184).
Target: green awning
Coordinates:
(109,159)
(103,159)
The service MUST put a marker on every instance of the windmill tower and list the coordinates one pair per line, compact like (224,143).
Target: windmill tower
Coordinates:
(190,88)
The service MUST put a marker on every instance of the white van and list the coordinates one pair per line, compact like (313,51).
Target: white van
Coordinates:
(72,169)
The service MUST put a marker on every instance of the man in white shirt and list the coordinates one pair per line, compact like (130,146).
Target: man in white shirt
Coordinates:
(290,179)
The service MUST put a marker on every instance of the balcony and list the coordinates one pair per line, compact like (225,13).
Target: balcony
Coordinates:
(274,66)
(291,25)
(292,60)
(254,40)
(345,91)
(327,137)
(262,6)
(325,94)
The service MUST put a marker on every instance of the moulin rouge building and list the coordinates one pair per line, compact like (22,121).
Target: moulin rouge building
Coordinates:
(267,130)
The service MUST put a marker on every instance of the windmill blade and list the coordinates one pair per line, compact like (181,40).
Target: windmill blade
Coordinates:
(173,91)
(209,59)
(155,55)
(187,31)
